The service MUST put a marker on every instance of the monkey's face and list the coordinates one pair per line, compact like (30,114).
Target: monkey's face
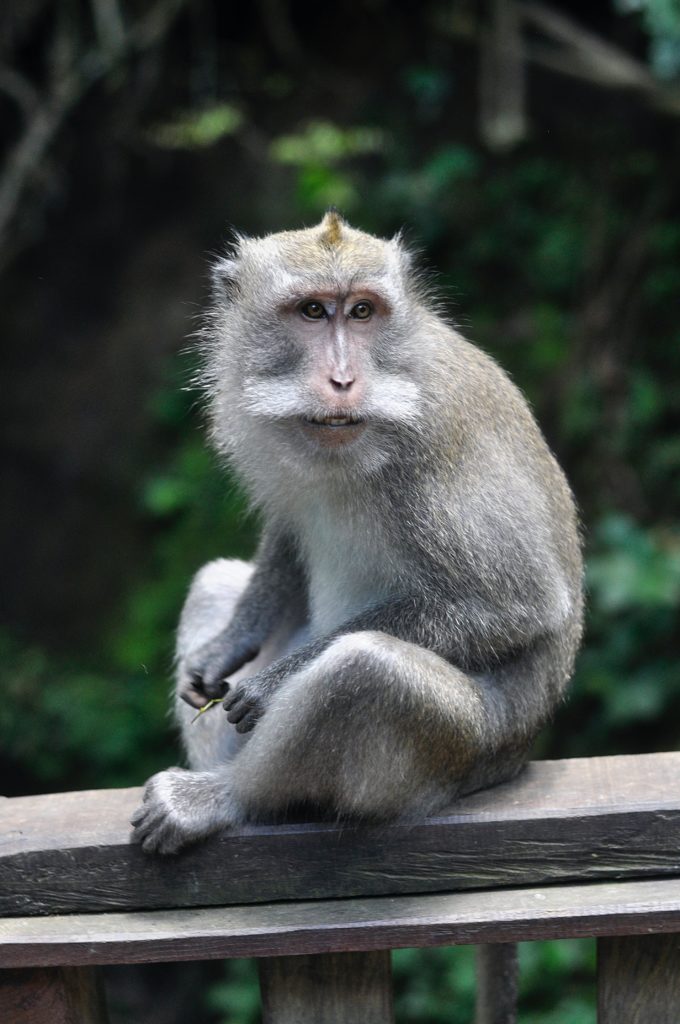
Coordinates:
(314,359)
(334,333)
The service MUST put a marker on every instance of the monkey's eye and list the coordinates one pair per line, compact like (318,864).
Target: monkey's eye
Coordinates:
(312,311)
(361,311)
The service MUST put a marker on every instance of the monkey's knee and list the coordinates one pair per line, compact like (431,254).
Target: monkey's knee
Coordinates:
(370,667)
(354,731)
(209,605)
(221,575)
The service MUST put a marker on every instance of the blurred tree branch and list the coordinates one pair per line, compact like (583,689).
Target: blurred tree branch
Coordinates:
(567,48)
(576,51)
(72,72)
(502,88)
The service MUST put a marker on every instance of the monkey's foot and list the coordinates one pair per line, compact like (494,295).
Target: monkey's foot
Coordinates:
(179,807)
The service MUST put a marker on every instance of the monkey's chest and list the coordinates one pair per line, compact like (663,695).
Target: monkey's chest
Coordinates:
(349,569)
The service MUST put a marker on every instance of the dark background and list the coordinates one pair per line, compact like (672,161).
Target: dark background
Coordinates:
(530,151)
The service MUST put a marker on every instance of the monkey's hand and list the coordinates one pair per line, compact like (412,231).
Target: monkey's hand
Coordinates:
(179,807)
(204,674)
(248,700)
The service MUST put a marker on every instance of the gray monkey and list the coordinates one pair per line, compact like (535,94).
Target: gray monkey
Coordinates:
(414,609)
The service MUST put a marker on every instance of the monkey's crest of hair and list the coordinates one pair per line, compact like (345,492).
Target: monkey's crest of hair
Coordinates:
(331,226)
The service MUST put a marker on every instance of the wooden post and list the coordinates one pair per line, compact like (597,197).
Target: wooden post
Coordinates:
(52,995)
(497,980)
(330,988)
(638,979)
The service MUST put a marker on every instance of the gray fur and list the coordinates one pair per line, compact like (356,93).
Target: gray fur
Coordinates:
(415,607)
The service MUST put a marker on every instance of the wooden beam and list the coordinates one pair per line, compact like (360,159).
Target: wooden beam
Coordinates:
(638,979)
(572,820)
(335,988)
(340,926)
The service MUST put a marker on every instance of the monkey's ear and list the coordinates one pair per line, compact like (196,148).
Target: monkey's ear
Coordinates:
(405,256)
(225,278)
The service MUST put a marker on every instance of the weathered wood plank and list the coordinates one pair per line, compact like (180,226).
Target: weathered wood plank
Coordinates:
(638,980)
(338,926)
(54,995)
(333,988)
(615,817)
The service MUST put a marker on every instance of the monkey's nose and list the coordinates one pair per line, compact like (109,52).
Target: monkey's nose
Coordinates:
(341,382)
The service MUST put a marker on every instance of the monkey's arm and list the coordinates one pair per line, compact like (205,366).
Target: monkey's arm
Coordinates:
(275,586)
(473,634)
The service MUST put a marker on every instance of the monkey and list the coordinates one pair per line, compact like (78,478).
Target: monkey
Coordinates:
(414,608)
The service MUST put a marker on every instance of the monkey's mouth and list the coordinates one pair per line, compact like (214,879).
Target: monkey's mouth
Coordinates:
(332,421)
(333,432)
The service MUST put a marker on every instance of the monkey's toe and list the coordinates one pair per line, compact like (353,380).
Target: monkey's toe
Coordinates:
(163,840)
(138,816)
(174,812)
(156,833)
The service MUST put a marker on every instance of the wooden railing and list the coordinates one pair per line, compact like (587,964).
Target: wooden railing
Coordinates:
(571,848)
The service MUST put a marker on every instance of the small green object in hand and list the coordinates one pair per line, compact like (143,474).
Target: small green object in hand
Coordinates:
(206,707)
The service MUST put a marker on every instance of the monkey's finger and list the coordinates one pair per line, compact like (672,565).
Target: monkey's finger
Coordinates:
(239,709)
(195,698)
(214,687)
(248,723)
(233,697)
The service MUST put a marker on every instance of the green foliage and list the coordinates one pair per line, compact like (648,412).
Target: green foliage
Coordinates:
(194,130)
(437,986)
(323,143)
(434,985)
(88,728)
(101,717)
(557,982)
(320,152)
(627,687)
(662,21)
(236,999)
(516,238)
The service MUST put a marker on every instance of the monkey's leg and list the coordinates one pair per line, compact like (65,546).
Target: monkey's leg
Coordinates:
(377,727)
(214,593)
(373,727)
(208,607)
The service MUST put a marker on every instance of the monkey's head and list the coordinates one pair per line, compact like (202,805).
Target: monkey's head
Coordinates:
(313,353)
